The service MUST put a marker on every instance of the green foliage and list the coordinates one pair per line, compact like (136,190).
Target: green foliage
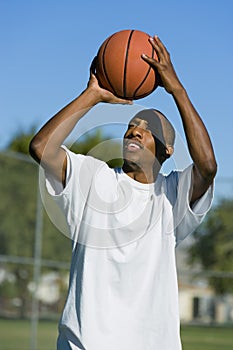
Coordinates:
(213,245)
(20,142)
(17,206)
(17,225)
(100,147)
(55,245)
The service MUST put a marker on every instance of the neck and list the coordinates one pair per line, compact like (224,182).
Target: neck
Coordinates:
(140,174)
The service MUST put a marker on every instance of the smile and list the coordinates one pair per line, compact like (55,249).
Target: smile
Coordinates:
(133,145)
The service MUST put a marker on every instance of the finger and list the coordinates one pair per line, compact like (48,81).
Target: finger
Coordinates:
(151,61)
(124,102)
(93,66)
(160,46)
(160,49)
(155,46)
(157,39)
(155,65)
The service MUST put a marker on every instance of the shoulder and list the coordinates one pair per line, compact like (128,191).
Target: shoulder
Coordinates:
(177,182)
(82,162)
(175,177)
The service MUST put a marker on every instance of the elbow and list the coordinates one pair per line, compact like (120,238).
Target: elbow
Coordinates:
(210,170)
(36,149)
(213,168)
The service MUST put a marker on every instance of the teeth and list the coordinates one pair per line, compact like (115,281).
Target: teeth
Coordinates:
(133,145)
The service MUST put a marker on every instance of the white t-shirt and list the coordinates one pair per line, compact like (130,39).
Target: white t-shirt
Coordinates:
(123,290)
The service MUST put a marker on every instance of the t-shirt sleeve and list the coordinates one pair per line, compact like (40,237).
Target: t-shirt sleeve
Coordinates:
(65,205)
(186,218)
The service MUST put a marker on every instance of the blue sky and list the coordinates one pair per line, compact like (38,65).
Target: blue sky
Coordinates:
(47,47)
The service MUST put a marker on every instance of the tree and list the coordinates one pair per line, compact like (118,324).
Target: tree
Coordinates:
(213,246)
(21,140)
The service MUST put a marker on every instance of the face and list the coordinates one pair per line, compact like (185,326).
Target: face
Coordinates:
(139,144)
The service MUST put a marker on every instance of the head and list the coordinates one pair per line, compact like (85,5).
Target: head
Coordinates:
(149,139)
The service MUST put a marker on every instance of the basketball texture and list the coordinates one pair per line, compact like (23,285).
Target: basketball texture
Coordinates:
(120,68)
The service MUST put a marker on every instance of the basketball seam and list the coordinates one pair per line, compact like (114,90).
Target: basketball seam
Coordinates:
(104,67)
(125,66)
(140,85)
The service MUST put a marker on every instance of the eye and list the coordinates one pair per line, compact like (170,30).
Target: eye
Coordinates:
(131,125)
(146,130)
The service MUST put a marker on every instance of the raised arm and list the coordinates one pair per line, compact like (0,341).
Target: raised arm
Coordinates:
(198,139)
(45,146)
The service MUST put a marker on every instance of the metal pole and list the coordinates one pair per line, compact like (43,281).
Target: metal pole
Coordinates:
(36,271)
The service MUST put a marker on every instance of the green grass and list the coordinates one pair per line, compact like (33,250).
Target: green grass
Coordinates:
(16,335)
(207,338)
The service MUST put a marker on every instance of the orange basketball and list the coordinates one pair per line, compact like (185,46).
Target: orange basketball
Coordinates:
(120,68)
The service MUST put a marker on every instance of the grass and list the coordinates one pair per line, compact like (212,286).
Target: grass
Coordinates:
(207,338)
(16,335)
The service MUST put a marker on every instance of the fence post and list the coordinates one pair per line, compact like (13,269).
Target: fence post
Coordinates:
(36,271)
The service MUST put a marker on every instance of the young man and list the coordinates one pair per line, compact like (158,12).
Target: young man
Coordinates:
(125,223)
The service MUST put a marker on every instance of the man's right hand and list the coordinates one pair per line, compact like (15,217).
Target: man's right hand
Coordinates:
(102,95)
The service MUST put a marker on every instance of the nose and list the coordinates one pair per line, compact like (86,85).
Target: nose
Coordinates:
(136,132)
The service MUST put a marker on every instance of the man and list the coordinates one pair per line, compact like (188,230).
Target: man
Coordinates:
(125,223)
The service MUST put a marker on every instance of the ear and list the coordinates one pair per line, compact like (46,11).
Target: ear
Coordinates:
(169,151)
(165,154)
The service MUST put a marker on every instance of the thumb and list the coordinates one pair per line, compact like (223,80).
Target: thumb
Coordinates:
(93,66)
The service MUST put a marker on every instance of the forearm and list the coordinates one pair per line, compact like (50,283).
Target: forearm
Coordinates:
(198,139)
(48,140)
(57,129)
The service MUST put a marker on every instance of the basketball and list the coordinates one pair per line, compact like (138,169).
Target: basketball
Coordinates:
(120,67)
